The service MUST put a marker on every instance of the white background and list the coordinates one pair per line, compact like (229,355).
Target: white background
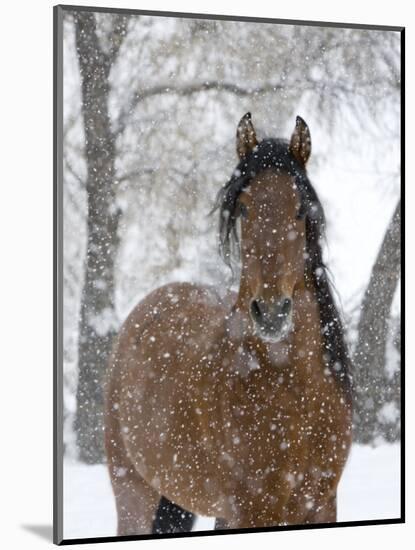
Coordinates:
(26,269)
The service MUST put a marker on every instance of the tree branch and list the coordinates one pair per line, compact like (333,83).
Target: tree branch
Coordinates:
(184,90)
(73,173)
(117,36)
(190,89)
(135,174)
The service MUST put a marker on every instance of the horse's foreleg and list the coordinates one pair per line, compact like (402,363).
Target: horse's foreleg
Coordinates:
(323,512)
(136,502)
(221,524)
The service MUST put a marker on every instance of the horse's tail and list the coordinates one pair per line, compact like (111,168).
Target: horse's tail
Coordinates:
(171,518)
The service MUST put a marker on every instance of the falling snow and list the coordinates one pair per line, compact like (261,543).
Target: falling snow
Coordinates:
(139,182)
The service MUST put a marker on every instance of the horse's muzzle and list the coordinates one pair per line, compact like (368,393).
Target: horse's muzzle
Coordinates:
(272,322)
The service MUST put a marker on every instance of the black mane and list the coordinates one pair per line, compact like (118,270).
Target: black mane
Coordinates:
(275,154)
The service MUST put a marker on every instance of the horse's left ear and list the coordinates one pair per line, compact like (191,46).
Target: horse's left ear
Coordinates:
(300,144)
(246,139)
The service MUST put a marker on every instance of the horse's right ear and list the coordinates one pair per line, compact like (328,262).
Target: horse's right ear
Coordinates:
(246,139)
(300,145)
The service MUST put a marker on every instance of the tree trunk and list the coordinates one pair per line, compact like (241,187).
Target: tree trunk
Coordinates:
(97,316)
(373,386)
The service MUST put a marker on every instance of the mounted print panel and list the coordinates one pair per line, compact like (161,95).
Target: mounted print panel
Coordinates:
(228,265)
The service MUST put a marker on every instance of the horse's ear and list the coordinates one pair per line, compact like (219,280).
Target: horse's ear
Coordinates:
(246,139)
(300,145)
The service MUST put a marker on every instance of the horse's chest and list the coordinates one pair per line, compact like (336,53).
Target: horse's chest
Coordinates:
(325,430)
(287,429)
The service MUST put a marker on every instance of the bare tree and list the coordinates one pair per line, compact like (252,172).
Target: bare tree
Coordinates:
(374,387)
(97,318)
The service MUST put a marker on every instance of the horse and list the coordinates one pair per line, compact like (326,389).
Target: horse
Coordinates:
(237,406)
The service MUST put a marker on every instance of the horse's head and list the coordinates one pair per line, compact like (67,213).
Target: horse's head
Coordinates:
(266,193)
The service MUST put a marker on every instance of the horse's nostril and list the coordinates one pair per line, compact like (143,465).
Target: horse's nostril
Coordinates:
(255,310)
(286,305)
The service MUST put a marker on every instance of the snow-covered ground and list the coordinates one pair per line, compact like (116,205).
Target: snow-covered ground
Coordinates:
(370,489)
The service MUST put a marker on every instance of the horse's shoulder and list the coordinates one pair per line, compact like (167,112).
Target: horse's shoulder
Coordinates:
(189,295)
(190,299)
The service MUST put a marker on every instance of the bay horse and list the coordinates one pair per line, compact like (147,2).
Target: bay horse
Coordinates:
(237,408)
